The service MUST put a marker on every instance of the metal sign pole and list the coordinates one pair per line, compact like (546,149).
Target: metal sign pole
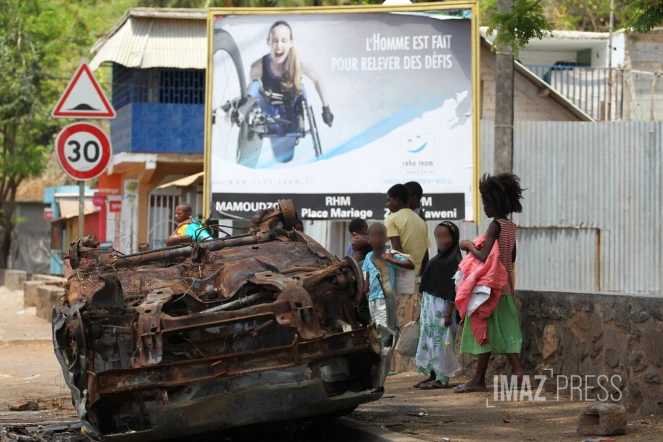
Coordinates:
(81,209)
(77,102)
(81,196)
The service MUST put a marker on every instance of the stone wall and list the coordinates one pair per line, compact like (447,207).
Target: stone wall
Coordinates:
(592,334)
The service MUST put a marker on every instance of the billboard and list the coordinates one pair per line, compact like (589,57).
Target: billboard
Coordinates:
(332,106)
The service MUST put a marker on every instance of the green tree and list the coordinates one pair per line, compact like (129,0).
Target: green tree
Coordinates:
(33,45)
(515,28)
(644,15)
(532,18)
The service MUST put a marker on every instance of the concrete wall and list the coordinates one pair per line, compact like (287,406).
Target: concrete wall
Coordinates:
(530,56)
(592,334)
(643,61)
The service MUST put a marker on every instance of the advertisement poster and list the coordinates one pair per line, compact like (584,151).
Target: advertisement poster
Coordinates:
(333,109)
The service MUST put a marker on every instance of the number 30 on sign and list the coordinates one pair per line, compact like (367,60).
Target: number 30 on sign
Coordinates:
(83,151)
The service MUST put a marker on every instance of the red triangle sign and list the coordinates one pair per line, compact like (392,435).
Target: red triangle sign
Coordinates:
(83,98)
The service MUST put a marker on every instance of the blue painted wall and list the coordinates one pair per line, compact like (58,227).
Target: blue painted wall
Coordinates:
(158,110)
(159,128)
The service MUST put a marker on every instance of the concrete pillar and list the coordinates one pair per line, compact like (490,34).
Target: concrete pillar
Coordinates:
(47,297)
(31,293)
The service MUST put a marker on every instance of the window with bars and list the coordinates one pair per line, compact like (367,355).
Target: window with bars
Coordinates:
(174,86)
(130,86)
(180,86)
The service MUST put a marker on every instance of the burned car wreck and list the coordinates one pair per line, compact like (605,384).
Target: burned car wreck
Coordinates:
(257,327)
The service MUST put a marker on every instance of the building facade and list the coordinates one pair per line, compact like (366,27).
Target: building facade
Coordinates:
(577,65)
(157,59)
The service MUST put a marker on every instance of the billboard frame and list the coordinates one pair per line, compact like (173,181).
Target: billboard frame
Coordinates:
(472,5)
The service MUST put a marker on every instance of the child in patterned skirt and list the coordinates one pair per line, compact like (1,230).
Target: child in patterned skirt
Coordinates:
(437,305)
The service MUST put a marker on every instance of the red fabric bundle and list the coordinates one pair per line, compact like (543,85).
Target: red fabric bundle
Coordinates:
(490,274)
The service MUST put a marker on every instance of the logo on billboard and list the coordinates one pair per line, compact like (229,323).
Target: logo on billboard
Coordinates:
(418,153)
(415,143)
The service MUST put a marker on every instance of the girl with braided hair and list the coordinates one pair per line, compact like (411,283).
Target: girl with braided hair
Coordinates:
(500,195)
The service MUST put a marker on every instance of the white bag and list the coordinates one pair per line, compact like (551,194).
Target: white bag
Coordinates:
(480,294)
(458,278)
(449,363)
(409,340)
(405,281)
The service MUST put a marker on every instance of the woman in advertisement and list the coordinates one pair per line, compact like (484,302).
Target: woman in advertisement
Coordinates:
(276,82)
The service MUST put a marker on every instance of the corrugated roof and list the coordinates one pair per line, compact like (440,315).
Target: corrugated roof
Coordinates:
(147,38)
(183,182)
(69,207)
(559,34)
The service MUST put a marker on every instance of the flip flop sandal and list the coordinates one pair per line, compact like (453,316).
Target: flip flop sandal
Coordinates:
(420,383)
(434,386)
(462,389)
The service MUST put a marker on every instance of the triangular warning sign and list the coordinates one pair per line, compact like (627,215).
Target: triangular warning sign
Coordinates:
(83,98)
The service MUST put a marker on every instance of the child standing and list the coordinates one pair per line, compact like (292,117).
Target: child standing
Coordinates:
(373,287)
(358,249)
(500,195)
(437,305)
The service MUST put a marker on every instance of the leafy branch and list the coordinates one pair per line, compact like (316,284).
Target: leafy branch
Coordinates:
(515,28)
(643,15)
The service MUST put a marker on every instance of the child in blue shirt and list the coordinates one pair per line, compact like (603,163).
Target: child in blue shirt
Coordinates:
(373,288)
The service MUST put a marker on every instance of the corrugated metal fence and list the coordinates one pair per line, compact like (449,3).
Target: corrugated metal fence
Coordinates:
(592,219)
(592,216)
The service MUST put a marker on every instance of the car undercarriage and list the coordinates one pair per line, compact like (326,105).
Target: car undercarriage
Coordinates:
(256,327)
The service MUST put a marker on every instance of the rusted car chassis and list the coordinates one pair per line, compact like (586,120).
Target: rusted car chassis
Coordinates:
(251,328)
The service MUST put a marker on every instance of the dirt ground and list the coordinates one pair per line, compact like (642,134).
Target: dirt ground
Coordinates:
(432,415)
(427,415)
(29,370)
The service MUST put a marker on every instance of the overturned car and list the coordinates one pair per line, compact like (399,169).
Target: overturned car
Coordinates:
(257,327)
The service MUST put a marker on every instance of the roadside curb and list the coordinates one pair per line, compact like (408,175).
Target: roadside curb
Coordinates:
(366,432)
(18,342)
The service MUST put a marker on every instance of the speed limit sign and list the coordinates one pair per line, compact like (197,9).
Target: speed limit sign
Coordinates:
(83,151)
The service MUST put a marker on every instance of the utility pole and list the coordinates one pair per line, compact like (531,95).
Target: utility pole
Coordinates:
(504,102)
(608,110)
